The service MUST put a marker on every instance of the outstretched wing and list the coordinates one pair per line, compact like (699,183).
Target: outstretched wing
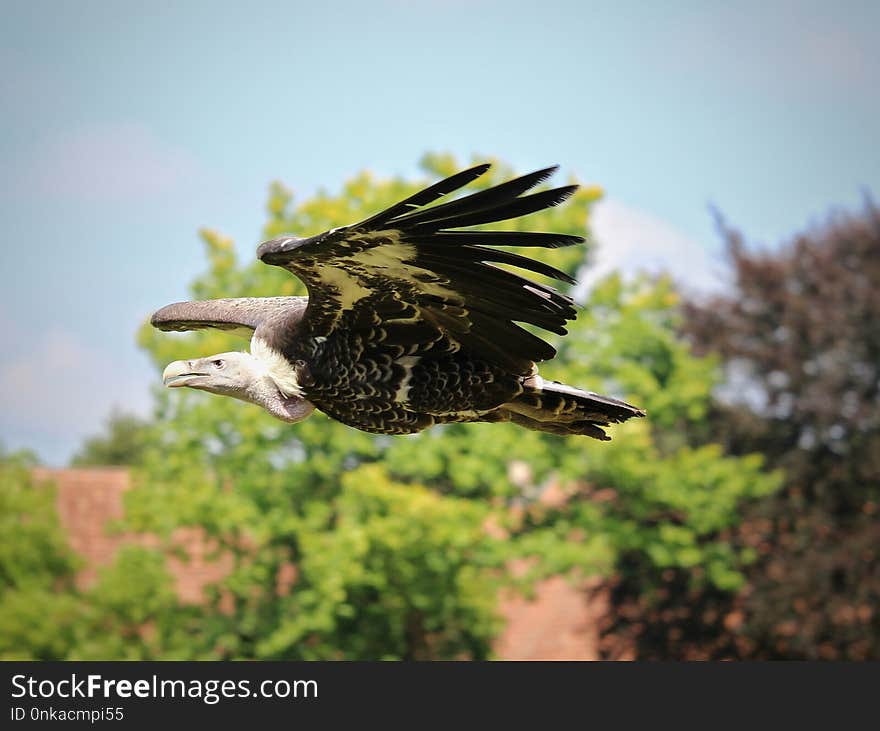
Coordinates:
(412,271)
(228,314)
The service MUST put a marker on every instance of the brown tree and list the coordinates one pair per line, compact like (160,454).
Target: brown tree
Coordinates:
(800,340)
(800,337)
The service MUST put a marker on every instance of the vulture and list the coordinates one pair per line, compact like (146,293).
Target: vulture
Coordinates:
(409,321)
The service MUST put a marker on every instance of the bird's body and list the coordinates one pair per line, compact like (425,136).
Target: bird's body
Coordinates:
(366,380)
(407,324)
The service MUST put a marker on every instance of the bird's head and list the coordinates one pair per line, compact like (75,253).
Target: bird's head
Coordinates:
(241,376)
(227,374)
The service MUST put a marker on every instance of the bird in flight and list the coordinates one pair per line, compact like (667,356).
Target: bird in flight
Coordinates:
(408,323)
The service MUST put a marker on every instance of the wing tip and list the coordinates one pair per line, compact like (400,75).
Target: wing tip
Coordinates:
(563,193)
(566,240)
(546,173)
(471,173)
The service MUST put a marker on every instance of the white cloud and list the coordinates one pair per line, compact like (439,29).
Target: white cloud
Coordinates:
(632,241)
(113,161)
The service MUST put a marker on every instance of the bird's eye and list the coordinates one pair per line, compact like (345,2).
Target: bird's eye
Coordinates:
(217,363)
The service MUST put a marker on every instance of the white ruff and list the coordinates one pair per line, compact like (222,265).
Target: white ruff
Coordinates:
(277,367)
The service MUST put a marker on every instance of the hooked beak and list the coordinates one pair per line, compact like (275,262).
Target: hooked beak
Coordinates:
(180,373)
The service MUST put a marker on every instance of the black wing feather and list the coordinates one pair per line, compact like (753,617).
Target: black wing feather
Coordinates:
(448,283)
(484,200)
(477,253)
(423,197)
(498,238)
(502,212)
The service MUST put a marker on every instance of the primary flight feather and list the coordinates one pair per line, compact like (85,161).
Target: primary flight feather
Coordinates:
(408,322)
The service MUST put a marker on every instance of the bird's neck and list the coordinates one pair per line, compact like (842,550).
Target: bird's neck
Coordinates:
(264,392)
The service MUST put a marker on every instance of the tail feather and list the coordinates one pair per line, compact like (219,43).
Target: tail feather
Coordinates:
(560,409)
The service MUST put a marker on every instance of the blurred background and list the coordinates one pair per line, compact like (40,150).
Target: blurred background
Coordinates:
(728,154)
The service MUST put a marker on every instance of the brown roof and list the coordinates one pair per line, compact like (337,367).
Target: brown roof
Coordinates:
(559,624)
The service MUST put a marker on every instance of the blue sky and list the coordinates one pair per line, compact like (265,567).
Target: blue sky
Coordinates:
(127,126)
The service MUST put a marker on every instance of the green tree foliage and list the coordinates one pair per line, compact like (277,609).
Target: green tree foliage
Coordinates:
(124,441)
(131,613)
(349,545)
(672,500)
(37,612)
